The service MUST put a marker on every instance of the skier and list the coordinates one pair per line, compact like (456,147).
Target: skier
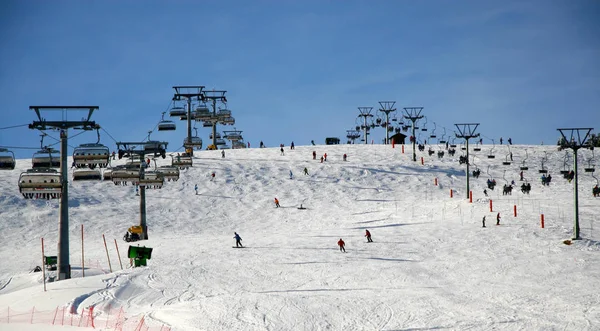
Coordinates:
(325,157)
(248,144)
(222,154)
(510,141)
(212,176)
(113,155)
(368,235)
(485,192)
(500,140)
(238,240)
(312,142)
(483,220)
(292,145)
(262,145)
(498,219)
(341,243)
(344,157)
(521,175)
(314,155)
(281,150)
(291,174)
(196,188)
(277,203)
(321,159)
(306,171)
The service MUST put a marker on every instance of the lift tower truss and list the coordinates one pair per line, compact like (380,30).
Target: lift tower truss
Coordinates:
(575,138)
(131,148)
(189,94)
(387,107)
(467,131)
(217,117)
(413,114)
(365,113)
(63,263)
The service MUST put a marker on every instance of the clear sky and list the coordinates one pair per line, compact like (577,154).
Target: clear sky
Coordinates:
(298,70)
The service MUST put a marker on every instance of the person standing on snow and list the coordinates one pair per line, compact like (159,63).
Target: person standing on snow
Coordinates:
(314,155)
(291,175)
(306,171)
(276,203)
(483,220)
(292,145)
(196,188)
(281,150)
(498,219)
(222,154)
(368,235)
(341,243)
(238,240)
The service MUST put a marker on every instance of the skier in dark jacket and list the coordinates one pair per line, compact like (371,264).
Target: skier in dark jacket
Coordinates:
(341,243)
(238,240)
(368,235)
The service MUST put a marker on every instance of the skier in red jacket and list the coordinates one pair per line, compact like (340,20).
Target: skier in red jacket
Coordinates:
(341,243)
(368,235)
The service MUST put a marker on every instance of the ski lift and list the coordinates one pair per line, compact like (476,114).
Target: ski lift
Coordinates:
(491,182)
(566,165)
(46,158)
(476,172)
(220,142)
(107,174)
(91,155)
(40,183)
(506,158)
(590,167)
(155,148)
(7,159)
(134,161)
(237,144)
(424,125)
(228,121)
(121,175)
(87,174)
(170,173)
(202,113)
(232,135)
(178,112)
(491,154)
(217,135)
(433,135)
(194,142)
(463,147)
(477,147)
(523,164)
(543,169)
(452,143)
(165,125)
(442,140)
(181,161)
(224,113)
(152,180)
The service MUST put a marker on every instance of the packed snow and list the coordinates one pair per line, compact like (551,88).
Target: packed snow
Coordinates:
(431,264)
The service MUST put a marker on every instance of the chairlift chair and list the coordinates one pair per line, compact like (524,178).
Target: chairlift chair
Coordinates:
(107,174)
(155,148)
(523,164)
(46,158)
(220,142)
(224,113)
(228,121)
(7,159)
(121,175)
(165,125)
(491,154)
(207,124)
(590,167)
(202,113)
(152,180)
(452,144)
(91,155)
(87,174)
(237,144)
(218,135)
(443,140)
(543,169)
(178,112)
(181,161)
(40,183)
(194,142)
(170,173)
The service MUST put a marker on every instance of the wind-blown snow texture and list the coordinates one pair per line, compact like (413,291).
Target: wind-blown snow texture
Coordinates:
(431,265)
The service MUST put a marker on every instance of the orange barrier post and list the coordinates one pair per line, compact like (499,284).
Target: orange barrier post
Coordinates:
(451,193)
(470,196)
(491,209)
(542,219)
(515,210)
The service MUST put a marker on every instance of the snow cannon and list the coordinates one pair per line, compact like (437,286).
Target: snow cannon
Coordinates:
(139,255)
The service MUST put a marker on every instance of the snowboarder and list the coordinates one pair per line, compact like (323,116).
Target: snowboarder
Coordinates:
(483,220)
(314,155)
(341,243)
(306,171)
(238,240)
(368,235)
(196,188)
(276,203)
(222,154)
(498,219)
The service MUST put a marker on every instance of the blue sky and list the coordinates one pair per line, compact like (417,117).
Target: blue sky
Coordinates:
(298,70)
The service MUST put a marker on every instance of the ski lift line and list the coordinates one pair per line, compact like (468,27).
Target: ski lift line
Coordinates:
(14,126)
(16,147)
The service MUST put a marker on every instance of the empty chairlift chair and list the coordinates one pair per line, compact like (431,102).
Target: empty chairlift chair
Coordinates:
(202,113)
(91,156)
(87,174)
(7,159)
(41,183)
(46,158)
(165,125)
(170,173)
(181,161)
(177,112)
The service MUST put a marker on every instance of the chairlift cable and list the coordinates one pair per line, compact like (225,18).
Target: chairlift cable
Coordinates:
(14,126)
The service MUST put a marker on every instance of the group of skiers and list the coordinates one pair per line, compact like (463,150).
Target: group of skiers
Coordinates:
(341,243)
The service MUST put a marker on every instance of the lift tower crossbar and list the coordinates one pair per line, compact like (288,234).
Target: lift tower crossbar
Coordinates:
(577,138)
(365,113)
(387,107)
(154,148)
(63,263)
(467,131)
(413,114)
(189,94)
